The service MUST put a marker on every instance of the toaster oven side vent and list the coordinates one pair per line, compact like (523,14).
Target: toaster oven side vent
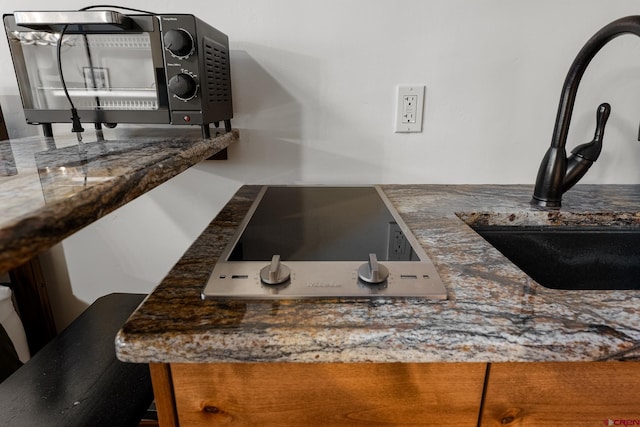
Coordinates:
(216,59)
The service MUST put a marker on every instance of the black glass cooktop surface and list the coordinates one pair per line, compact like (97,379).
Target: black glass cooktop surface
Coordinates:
(321,224)
(323,242)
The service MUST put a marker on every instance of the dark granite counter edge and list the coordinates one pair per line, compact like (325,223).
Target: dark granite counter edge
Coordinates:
(47,226)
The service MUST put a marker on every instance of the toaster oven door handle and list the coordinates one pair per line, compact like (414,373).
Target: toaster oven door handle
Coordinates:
(43,20)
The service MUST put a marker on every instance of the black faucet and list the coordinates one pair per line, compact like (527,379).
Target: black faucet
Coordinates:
(557,173)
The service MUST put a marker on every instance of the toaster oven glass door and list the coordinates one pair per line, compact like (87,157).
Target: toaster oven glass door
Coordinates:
(116,71)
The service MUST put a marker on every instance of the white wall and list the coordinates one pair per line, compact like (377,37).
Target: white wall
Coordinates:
(314,85)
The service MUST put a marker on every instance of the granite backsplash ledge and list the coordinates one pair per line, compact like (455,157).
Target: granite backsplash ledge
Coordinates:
(494,312)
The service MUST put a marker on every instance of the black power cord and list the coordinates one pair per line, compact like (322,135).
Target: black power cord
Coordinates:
(75,118)
(76,125)
(110,6)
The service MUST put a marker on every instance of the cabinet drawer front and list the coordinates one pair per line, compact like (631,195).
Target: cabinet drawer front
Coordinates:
(328,394)
(562,394)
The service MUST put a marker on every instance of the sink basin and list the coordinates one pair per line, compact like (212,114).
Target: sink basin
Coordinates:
(571,258)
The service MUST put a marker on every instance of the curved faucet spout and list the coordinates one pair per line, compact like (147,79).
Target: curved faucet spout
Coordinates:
(551,179)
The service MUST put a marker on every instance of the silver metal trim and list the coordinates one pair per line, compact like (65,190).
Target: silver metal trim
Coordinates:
(72,17)
(415,245)
(252,209)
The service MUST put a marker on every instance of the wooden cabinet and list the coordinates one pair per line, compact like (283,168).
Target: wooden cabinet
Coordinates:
(442,394)
(317,394)
(562,394)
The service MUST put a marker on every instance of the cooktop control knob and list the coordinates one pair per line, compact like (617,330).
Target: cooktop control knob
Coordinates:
(275,273)
(179,42)
(372,271)
(183,86)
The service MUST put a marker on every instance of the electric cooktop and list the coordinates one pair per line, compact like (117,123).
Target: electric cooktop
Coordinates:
(323,242)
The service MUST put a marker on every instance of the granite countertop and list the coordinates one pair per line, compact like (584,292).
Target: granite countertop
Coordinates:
(53,187)
(494,312)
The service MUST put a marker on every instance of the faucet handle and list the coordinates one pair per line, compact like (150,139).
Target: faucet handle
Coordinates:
(583,156)
(591,150)
(602,115)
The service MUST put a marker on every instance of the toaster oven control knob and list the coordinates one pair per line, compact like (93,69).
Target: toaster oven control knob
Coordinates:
(372,271)
(275,273)
(179,43)
(183,86)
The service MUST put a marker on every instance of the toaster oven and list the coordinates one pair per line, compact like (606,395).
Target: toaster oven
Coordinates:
(120,68)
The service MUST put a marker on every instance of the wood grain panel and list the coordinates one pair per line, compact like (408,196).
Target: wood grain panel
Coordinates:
(163,394)
(562,394)
(328,394)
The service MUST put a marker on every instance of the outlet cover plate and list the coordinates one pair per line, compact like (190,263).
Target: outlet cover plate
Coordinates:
(409,108)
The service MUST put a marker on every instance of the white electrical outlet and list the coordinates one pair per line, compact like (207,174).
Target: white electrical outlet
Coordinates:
(409,106)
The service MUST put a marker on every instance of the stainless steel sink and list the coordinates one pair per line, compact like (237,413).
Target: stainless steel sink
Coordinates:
(571,258)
